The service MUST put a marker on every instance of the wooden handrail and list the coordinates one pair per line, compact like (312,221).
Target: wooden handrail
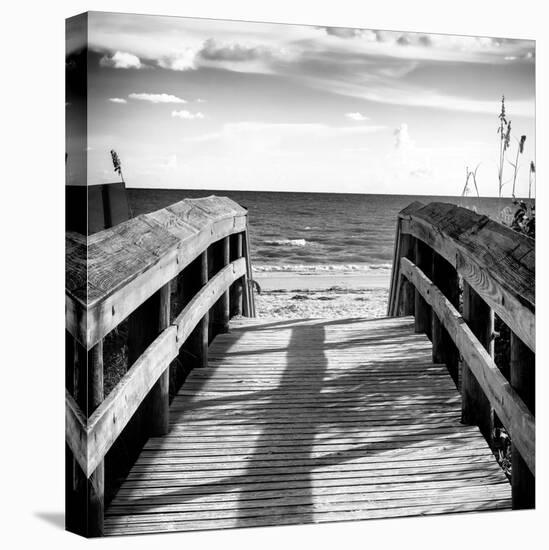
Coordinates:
(116,270)
(438,245)
(91,440)
(129,273)
(497,262)
(510,408)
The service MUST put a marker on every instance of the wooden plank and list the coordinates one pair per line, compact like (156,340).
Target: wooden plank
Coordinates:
(523,375)
(495,260)
(236,289)
(249,300)
(75,431)
(446,279)
(402,248)
(206,297)
(301,435)
(159,397)
(220,313)
(476,407)
(422,316)
(128,263)
(510,408)
(95,504)
(113,414)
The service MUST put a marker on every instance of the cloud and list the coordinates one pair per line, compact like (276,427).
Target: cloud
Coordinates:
(121,60)
(357,116)
(231,51)
(187,115)
(267,131)
(402,138)
(157,98)
(117,100)
(182,60)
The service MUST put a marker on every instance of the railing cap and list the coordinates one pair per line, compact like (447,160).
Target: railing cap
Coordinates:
(103,264)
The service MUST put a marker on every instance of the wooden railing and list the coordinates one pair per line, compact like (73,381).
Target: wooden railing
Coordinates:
(197,250)
(454,270)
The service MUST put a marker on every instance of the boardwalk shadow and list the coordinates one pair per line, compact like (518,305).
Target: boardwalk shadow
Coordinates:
(304,426)
(296,365)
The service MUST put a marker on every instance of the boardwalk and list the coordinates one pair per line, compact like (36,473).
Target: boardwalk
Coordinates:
(306,422)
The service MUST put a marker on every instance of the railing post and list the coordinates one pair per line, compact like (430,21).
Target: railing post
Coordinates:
(236,288)
(445,277)
(406,294)
(143,327)
(424,260)
(475,407)
(523,381)
(219,258)
(85,497)
(159,396)
(96,482)
(194,352)
(249,310)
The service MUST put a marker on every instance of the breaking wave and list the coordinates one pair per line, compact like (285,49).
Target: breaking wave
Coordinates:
(319,268)
(287,242)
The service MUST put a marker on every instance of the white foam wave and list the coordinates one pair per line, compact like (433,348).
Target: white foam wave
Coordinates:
(319,268)
(287,242)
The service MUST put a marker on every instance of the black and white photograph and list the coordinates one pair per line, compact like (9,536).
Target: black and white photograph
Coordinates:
(299,274)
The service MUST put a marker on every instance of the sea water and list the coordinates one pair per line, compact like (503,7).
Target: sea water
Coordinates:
(317,232)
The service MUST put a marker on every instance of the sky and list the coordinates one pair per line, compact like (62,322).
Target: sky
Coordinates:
(209,104)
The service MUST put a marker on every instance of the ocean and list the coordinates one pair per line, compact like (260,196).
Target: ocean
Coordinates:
(316,232)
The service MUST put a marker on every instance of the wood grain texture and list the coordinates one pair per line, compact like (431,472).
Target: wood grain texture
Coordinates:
(400,249)
(476,408)
(307,421)
(114,271)
(110,418)
(523,380)
(496,261)
(508,405)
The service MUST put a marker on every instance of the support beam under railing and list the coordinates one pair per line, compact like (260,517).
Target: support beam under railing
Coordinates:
(476,408)
(159,397)
(424,260)
(236,288)
(445,276)
(523,374)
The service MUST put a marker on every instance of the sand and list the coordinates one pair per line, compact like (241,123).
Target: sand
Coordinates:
(297,295)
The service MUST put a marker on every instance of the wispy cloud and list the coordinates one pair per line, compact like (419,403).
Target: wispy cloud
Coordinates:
(156,98)
(236,132)
(117,100)
(359,117)
(121,60)
(187,115)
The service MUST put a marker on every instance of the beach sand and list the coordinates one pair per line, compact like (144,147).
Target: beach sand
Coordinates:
(297,295)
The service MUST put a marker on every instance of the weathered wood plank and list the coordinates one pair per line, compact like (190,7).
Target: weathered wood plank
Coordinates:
(206,297)
(523,376)
(114,413)
(76,435)
(341,419)
(403,247)
(126,264)
(495,260)
(159,397)
(109,419)
(476,407)
(510,408)
(422,310)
